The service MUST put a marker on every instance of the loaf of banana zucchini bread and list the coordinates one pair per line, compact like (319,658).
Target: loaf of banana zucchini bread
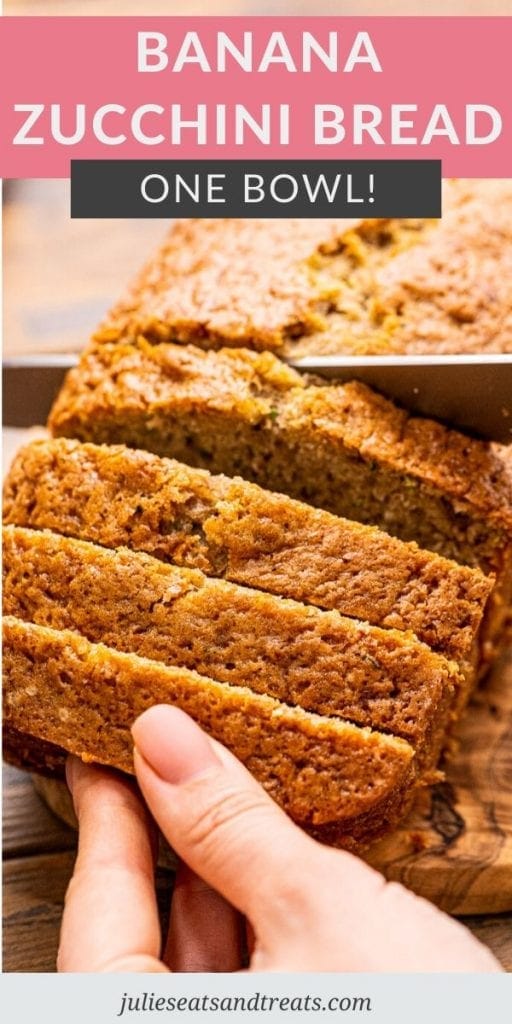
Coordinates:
(341,719)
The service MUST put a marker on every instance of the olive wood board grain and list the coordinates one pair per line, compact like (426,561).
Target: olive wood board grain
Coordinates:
(455,848)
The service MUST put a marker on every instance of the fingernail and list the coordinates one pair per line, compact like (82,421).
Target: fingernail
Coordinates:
(174,746)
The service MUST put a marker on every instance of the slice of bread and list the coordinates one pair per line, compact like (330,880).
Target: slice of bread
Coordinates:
(343,783)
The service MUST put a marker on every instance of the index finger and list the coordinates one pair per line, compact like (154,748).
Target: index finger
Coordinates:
(110,920)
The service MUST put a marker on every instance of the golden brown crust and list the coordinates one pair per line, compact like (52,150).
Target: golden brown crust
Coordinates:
(303,656)
(230,282)
(117,496)
(305,287)
(84,698)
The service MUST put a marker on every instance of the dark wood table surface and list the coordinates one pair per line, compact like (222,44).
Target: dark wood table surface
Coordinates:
(59,278)
(38,856)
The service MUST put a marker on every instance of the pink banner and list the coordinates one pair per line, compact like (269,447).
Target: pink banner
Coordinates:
(255,88)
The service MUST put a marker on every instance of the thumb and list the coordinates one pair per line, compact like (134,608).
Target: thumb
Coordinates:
(220,821)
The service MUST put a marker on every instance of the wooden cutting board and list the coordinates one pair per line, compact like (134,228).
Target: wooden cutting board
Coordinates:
(455,848)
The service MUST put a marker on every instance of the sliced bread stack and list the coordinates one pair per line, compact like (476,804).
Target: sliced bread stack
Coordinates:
(329,694)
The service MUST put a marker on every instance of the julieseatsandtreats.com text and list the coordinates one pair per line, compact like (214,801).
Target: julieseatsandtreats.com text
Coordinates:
(148,1002)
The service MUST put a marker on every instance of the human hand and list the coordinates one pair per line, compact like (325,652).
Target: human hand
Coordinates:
(309,907)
